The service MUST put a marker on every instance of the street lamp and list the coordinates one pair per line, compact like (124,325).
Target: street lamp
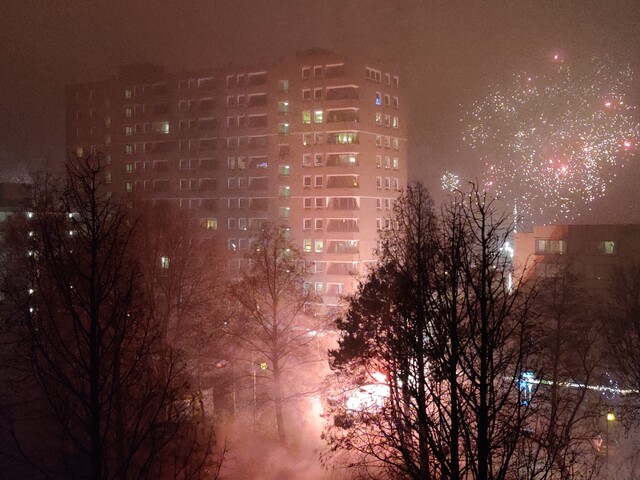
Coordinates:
(610,419)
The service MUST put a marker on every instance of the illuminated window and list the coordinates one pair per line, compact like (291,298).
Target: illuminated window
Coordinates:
(306,245)
(317,116)
(128,167)
(387,162)
(378,161)
(319,246)
(127,93)
(285,191)
(161,127)
(283,107)
(395,123)
(551,247)
(164,262)
(395,163)
(128,112)
(284,212)
(283,128)
(284,170)
(128,186)
(306,117)
(607,247)
(128,149)
(378,118)
(209,223)
(378,98)
(128,130)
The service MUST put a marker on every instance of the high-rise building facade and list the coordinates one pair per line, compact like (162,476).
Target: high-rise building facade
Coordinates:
(316,143)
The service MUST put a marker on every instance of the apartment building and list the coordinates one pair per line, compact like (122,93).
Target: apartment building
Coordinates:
(593,254)
(316,143)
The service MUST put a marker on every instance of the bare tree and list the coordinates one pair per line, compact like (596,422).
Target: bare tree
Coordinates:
(274,321)
(439,319)
(112,393)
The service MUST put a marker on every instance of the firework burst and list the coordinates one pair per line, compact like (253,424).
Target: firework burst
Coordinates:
(552,143)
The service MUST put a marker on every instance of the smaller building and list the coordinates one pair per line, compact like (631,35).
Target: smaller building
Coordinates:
(593,253)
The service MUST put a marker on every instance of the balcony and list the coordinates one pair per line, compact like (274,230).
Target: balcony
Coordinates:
(342,181)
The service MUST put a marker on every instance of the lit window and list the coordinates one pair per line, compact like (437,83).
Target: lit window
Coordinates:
(395,163)
(306,139)
(283,128)
(128,186)
(285,191)
(284,170)
(387,162)
(395,123)
(164,262)
(128,112)
(209,223)
(284,212)
(378,161)
(607,247)
(319,246)
(161,127)
(127,93)
(317,116)
(306,245)
(283,107)
(306,116)
(550,247)
(378,118)
(128,130)
(378,98)
(128,149)
(128,167)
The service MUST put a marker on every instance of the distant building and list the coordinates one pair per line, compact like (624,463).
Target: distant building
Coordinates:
(593,253)
(316,143)
(14,196)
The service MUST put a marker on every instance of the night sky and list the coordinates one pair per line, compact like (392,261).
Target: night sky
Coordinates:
(451,52)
